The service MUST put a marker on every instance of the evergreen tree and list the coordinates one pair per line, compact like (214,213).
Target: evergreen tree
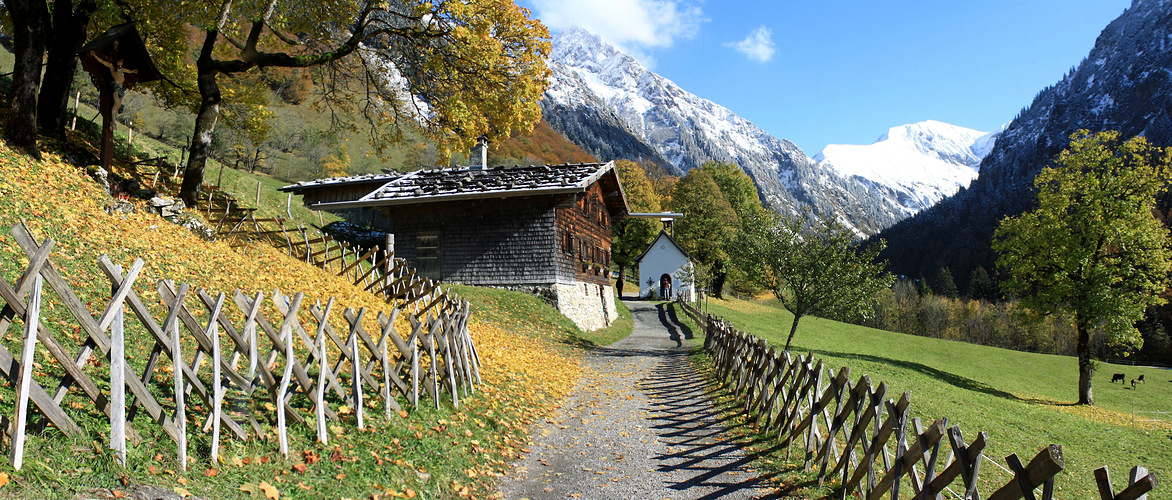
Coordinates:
(944,283)
(980,285)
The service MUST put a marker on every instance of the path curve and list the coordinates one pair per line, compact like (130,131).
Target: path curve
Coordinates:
(639,424)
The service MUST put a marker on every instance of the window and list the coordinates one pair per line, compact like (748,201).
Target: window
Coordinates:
(568,242)
(427,254)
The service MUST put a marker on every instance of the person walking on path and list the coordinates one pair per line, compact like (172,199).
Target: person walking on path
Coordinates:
(638,425)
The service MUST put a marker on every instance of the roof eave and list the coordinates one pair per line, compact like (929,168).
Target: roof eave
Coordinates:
(342,205)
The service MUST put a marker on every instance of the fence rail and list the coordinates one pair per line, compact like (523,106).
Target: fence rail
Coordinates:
(260,351)
(853,434)
(375,269)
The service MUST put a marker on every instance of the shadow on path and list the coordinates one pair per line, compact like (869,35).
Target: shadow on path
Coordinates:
(683,416)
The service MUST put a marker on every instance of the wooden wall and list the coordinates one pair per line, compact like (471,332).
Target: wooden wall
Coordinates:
(583,229)
(538,240)
(481,242)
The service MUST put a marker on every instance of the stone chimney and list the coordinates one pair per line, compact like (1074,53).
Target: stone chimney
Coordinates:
(478,157)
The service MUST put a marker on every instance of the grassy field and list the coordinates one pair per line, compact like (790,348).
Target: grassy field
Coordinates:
(1022,400)
(529,352)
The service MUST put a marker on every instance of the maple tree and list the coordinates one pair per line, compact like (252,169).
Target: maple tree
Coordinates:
(1093,247)
(468,68)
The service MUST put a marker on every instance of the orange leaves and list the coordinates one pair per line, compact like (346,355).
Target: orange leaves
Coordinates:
(261,490)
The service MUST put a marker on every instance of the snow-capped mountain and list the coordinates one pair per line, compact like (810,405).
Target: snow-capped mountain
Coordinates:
(591,78)
(1124,84)
(918,164)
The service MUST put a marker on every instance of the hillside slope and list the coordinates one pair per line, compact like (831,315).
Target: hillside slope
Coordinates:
(523,368)
(1021,399)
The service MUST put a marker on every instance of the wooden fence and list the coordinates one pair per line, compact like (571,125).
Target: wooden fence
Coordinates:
(374,269)
(280,355)
(853,434)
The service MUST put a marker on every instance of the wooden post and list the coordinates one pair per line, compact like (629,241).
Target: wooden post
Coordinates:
(213,331)
(172,324)
(118,382)
(250,334)
(258,192)
(320,393)
(76,103)
(287,336)
(1140,482)
(388,327)
(288,205)
(357,377)
(1040,470)
(32,319)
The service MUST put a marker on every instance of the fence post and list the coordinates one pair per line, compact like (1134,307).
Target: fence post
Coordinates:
(32,320)
(320,393)
(172,325)
(213,331)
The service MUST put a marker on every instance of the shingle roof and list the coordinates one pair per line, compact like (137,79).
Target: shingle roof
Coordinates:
(336,181)
(496,180)
(450,184)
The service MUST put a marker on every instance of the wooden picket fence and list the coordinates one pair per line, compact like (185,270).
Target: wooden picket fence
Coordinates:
(374,269)
(853,434)
(292,363)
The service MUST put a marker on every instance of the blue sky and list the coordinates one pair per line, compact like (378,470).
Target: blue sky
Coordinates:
(823,72)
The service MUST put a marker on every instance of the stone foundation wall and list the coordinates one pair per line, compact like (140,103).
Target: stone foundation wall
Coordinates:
(588,305)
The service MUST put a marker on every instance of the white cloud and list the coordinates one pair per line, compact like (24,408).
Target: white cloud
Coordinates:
(631,24)
(758,46)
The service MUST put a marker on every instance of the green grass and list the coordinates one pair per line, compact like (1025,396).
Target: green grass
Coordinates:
(433,452)
(1023,400)
(536,317)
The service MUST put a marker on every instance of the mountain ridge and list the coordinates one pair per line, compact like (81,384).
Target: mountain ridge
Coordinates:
(1124,84)
(921,163)
(591,77)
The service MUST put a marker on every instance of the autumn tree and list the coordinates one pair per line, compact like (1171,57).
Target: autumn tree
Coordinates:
(708,226)
(740,191)
(30,29)
(467,68)
(820,270)
(630,236)
(1093,247)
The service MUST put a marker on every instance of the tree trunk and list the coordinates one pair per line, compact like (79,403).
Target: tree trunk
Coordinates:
(792,330)
(719,276)
(618,286)
(69,32)
(30,19)
(1085,368)
(205,123)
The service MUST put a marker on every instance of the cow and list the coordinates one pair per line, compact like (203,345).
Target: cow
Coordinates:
(1118,377)
(1140,379)
(1133,384)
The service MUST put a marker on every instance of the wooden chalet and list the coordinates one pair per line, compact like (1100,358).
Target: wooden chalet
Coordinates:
(542,228)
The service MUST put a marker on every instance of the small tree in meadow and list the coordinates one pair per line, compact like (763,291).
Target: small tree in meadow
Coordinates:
(819,271)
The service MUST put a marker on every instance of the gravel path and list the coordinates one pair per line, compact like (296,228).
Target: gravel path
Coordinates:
(638,425)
